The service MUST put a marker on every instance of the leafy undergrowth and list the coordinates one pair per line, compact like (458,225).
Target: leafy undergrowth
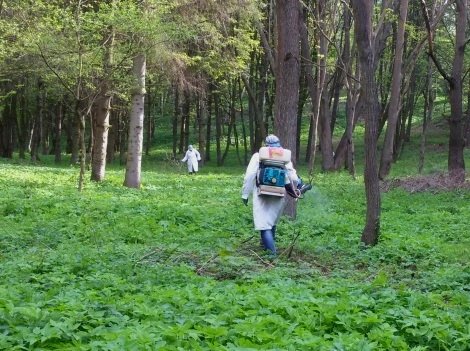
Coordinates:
(177,266)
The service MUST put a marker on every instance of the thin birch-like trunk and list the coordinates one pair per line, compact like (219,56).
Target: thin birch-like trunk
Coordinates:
(136,125)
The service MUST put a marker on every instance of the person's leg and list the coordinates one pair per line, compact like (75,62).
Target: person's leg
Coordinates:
(274,232)
(268,240)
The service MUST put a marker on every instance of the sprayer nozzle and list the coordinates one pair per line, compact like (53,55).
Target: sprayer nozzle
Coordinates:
(305,188)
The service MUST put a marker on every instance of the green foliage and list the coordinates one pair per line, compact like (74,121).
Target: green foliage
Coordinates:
(172,266)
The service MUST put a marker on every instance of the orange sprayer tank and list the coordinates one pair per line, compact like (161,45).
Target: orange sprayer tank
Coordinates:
(275,154)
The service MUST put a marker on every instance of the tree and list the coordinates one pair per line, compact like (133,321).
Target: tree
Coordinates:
(394,105)
(287,79)
(363,11)
(102,111)
(136,125)
(456,162)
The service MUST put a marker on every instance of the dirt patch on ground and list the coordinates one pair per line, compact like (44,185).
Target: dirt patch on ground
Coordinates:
(434,182)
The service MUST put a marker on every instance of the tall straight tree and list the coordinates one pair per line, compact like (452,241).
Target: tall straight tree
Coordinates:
(136,125)
(394,105)
(455,162)
(287,79)
(103,111)
(364,34)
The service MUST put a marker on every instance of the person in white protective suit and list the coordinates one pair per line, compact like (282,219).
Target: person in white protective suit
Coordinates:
(266,209)
(192,157)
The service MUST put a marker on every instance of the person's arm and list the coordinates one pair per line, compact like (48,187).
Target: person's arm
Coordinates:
(250,176)
(291,174)
(185,157)
(198,155)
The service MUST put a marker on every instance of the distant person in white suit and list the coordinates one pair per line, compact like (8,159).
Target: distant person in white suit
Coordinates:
(192,157)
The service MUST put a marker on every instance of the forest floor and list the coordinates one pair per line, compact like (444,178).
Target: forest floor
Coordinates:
(177,265)
(431,182)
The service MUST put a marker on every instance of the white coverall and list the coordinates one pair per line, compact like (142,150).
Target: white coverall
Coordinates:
(191,157)
(266,209)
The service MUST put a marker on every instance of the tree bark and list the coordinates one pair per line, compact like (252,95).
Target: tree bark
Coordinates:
(455,162)
(363,10)
(427,114)
(209,122)
(287,79)
(176,115)
(58,132)
(394,106)
(136,125)
(201,118)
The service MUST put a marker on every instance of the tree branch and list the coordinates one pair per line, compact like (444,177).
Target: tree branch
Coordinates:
(267,48)
(55,72)
(430,44)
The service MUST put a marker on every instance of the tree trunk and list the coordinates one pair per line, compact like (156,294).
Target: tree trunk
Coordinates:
(312,86)
(176,115)
(242,120)
(80,120)
(467,123)
(186,108)
(58,133)
(456,162)
(36,130)
(7,127)
(287,79)
(363,10)
(201,118)
(209,121)
(394,106)
(429,97)
(22,125)
(113,136)
(148,139)
(100,134)
(136,125)
(218,127)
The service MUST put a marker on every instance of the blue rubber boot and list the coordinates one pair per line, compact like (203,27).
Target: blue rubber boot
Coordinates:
(267,238)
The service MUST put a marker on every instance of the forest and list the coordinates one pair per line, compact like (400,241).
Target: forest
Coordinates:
(106,241)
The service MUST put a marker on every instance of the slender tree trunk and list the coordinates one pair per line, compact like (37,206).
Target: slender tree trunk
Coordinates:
(113,136)
(242,120)
(362,10)
(218,128)
(209,122)
(259,126)
(467,123)
(136,125)
(148,139)
(394,107)
(58,132)
(176,115)
(456,161)
(35,133)
(427,114)
(23,125)
(202,121)
(231,125)
(100,127)
(44,123)
(122,136)
(312,86)
(287,80)
(186,108)
(7,128)
(326,143)
(80,120)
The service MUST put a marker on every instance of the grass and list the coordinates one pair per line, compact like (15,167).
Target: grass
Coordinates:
(177,264)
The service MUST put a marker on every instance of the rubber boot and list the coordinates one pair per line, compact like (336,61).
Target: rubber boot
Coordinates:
(268,241)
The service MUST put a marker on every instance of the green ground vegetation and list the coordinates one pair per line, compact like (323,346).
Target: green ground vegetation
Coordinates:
(177,264)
